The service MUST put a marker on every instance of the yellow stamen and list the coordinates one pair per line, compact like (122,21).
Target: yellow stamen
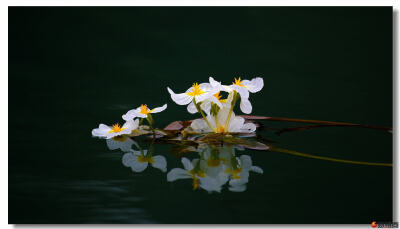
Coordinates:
(143,159)
(235,172)
(116,128)
(197,172)
(196,183)
(216,95)
(220,129)
(238,82)
(144,109)
(196,90)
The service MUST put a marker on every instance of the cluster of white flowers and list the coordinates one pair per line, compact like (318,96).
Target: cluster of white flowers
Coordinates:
(205,98)
(216,167)
(218,115)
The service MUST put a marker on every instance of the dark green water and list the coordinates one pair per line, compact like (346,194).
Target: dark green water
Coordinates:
(73,68)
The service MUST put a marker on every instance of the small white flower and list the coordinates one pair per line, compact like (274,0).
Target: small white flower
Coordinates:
(142,112)
(243,87)
(139,161)
(240,172)
(108,132)
(216,98)
(235,125)
(195,170)
(198,92)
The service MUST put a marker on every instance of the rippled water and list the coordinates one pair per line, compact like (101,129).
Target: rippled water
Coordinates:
(73,68)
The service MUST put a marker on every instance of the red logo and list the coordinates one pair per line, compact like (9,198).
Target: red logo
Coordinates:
(373,224)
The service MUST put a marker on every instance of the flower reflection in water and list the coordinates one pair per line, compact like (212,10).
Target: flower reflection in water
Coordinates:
(215,167)
(138,160)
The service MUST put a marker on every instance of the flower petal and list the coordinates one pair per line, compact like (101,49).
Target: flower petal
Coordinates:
(210,184)
(236,124)
(130,115)
(176,174)
(199,125)
(125,144)
(180,99)
(243,92)
(248,128)
(102,131)
(256,169)
(255,85)
(130,125)
(160,163)
(213,82)
(127,159)
(245,106)
(204,96)
(206,106)
(238,188)
(187,164)
(246,162)
(191,108)
(159,109)
(137,166)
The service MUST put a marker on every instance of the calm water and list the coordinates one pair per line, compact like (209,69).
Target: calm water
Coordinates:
(73,68)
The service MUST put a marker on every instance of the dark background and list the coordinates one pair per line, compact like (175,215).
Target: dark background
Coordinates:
(71,68)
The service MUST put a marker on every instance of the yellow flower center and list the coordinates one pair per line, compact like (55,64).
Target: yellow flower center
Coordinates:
(216,95)
(196,90)
(235,172)
(143,159)
(238,82)
(116,128)
(144,109)
(197,172)
(220,129)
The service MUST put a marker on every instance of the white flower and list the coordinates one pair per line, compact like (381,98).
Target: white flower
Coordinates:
(121,142)
(138,161)
(243,88)
(216,98)
(195,170)
(142,112)
(240,172)
(198,93)
(108,132)
(235,125)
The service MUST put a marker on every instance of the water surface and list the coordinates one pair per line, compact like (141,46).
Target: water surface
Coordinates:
(73,68)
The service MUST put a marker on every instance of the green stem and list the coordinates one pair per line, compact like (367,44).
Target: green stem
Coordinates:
(202,113)
(150,120)
(235,97)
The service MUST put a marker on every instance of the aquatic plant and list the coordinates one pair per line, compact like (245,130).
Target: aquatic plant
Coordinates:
(214,136)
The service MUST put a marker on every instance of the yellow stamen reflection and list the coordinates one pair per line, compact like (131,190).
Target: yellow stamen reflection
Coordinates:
(143,159)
